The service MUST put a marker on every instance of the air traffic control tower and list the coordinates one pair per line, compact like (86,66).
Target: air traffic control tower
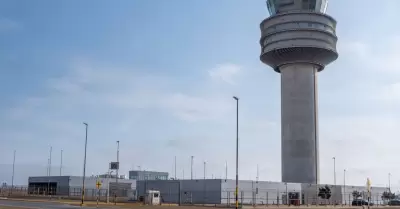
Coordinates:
(298,40)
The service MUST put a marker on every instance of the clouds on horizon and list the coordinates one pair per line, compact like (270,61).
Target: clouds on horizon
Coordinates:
(158,115)
(131,100)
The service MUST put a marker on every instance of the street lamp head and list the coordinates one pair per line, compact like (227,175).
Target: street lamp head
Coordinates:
(236,98)
(85,123)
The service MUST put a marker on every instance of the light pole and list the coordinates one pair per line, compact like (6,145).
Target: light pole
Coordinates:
(48,162)
(61,163)
(191,167)
(108,185)
(84,165)
(334,171)
(13,169)
(116,179)
(226,170)
(51,149)
(389,180)
(237,152)
(344,186)
(204,170)
(175,167)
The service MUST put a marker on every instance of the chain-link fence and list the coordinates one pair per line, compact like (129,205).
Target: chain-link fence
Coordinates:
(265,198)
(219,192)
(295,198)
(210,192)
(69,193)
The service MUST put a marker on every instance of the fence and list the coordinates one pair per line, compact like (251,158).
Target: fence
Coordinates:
(260,198)
(69,193)
(271,197)
(218,192)
(173,192)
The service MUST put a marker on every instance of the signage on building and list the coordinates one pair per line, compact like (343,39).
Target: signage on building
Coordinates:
(114,165)
(98,184)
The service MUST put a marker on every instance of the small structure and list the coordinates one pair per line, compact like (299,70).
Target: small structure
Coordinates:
(152,197)
(72,186)
(148,175)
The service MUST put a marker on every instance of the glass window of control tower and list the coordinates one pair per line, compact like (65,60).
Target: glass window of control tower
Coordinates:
(279,6)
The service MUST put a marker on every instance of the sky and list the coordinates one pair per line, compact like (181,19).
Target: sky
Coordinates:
(159,76)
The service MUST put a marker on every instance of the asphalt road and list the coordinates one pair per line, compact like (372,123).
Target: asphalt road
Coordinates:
(40,205)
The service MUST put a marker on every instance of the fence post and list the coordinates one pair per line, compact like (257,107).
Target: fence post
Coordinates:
(349,200)
(179,193)
(228,198)
(241,198)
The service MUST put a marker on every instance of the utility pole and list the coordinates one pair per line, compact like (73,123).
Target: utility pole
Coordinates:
(61,162)
(84,165)
(389,181)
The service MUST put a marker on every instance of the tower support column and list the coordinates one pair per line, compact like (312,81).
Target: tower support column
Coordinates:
(299,123)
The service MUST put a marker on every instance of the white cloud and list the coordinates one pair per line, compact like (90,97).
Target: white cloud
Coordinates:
(131,106)
(225,72)
(357,49)
(365,146)
(119,88)
(389,93)
(359,127)
(382,57)
(191,108)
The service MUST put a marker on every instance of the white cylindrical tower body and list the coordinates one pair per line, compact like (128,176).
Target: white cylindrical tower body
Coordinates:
(299,123)
(298,40)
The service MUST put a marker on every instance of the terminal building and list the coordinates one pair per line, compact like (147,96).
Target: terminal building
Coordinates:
(202,191)
(72,186)
(221,191)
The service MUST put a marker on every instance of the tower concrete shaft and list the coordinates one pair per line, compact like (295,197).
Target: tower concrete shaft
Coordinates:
(298,40)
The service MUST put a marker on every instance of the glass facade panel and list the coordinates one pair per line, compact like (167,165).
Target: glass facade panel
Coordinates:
(281,6)
(148,175)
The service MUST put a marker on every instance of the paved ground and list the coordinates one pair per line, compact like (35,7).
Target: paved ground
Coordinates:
(43,204)
(28,204)
(12,204)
